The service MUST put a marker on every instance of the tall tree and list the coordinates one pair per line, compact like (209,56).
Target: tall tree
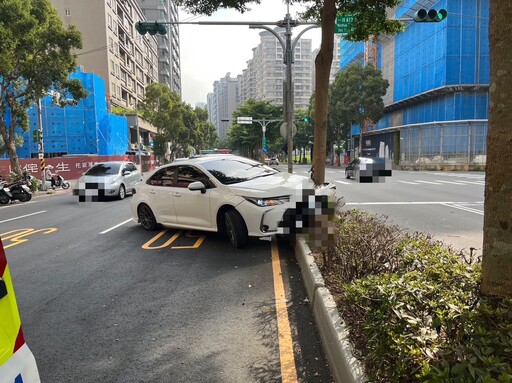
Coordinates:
(497,248)
(370,20)
(356,96)
(164,109)
(36,56)
(248,138)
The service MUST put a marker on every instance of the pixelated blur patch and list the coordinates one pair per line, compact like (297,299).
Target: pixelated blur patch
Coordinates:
(375,172)
(91,191)
(313,216)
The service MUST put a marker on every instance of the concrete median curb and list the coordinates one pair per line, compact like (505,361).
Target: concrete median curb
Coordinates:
(345,368)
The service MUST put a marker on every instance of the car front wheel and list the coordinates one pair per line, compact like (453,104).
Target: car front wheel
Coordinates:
(146,217)
(122,192)
(236,229)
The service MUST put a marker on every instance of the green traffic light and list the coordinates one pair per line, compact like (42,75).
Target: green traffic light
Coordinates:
(442,14)
(432,15)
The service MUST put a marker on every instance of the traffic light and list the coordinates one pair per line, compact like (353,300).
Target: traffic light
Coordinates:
(432,15)
(36,135)
(151,27)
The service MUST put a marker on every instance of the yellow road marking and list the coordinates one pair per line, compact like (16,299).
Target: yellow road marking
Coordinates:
(196,243)
(147,245)
(17,237)
(288,369)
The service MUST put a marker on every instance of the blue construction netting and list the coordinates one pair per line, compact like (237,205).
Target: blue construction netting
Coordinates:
(87,128)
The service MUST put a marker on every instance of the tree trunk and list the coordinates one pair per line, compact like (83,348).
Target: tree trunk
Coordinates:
(323,64)
(10,144)
(497,248)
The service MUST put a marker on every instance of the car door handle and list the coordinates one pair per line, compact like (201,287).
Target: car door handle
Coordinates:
(3,288)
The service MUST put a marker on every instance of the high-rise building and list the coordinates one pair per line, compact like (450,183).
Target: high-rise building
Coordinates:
(436,106)
(169,67)
(263,79)
(223,102)
(112,48)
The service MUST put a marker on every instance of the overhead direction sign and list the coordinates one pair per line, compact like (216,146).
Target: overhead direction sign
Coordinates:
(343,24)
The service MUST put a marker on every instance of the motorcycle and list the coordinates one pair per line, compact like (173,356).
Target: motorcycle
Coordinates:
(17,190)
(59,182)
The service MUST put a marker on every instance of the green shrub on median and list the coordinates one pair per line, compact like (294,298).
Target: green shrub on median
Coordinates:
(413,307)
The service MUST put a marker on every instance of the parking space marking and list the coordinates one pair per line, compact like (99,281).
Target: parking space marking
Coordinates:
(465,208)
(23,216)
(189,234)
(17,237)
(286,355)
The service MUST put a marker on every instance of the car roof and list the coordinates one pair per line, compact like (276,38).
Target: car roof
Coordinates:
(203,158)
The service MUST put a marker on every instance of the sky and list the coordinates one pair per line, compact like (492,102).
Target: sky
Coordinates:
(208,53)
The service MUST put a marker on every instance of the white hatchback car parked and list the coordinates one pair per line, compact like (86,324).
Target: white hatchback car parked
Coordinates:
(220,193)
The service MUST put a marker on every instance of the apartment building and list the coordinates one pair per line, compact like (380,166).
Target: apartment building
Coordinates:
(263,79)
(223,102)
(112,48)
(169,67)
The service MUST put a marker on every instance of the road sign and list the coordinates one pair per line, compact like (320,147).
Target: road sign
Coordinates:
(244,120)
(282,130)
(343,24)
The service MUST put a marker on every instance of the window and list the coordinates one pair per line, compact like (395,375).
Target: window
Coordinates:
(188,174)
(67,11)
(163,177)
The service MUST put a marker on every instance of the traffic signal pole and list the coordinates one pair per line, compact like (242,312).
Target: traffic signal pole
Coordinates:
(288,48)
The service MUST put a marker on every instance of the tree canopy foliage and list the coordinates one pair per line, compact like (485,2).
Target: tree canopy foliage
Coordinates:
(356,97)
(181,129)
(36,56)
(247,139)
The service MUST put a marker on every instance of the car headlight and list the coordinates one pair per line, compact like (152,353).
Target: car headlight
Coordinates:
(264,202)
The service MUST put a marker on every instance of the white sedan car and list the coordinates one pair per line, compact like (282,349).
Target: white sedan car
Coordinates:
(223,193)
(108,179)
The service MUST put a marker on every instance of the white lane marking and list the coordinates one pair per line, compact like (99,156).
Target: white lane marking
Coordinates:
(407,182)
(343,182)
(465,208)
(116,226)
(23,216)
(428,182)
(474,182)
(450,182)
(414,203)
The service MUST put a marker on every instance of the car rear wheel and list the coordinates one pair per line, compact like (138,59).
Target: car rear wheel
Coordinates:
(122,192)
(146,217)
(236,229)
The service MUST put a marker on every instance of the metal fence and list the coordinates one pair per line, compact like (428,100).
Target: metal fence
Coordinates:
(462,142)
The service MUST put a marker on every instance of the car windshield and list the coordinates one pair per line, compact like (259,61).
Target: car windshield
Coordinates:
(103,170)
(229,171)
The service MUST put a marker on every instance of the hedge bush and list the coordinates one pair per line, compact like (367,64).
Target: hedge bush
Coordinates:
(413,306)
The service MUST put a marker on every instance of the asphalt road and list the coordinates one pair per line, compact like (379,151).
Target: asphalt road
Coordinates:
(448,205)
(103,300)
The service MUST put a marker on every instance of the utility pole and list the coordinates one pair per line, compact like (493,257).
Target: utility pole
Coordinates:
(40,144)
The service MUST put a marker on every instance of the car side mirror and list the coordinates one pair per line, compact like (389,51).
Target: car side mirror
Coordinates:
(126,172)
(198,185)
